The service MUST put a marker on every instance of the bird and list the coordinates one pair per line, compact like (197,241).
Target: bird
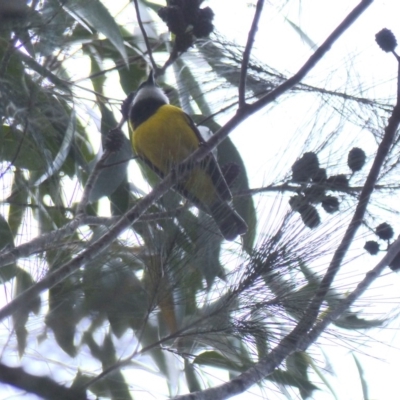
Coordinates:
(162,136)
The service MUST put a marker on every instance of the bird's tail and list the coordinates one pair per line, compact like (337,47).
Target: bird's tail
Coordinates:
(229,222)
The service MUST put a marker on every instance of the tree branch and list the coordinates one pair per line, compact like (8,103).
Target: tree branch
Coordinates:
(41,386)
(246,53)
(144,33)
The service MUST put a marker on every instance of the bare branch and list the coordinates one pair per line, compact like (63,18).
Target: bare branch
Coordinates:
(144,33)
(246,53)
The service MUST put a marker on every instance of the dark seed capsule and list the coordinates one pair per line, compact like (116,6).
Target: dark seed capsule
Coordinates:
(356,159)
(372,247)
(386,40)
(384,231)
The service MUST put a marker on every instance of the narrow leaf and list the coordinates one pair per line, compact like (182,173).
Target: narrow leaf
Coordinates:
(364,384)
(95,14)
(62,153)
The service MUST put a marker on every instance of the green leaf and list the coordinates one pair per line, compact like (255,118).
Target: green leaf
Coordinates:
(63,315)
(120,198)
(114,289)
(23,282)
(353,321)
(297,365)
(95,14)
(217,360)
(98,79)
(261,342)
(8,272)
(150,335)
(306,39)
(364,383)
(207,246)
(114,172)
(113,384)
(99,388)
(6,236)
(191,377)
(132,77)
(185,79)
(288,379)
(322,377)
(18,201)
(44,72)
(62,153)
(17,148)
(155,6)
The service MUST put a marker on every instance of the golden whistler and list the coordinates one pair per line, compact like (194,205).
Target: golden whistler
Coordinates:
(162,135)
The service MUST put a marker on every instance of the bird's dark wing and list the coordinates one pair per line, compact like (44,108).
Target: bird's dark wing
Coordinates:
(211,165)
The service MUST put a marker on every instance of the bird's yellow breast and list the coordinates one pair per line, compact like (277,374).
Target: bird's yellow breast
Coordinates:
(165,139)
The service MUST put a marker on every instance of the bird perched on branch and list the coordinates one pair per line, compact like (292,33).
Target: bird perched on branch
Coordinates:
(163,136)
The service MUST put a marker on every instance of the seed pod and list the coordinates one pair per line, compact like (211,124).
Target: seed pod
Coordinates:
(386,40)
(372,247)
(319,176)
(310,216)
(304,168)
(337,182)
(356,159)
(314,193)
(297,202)
(384,231)
(330,204)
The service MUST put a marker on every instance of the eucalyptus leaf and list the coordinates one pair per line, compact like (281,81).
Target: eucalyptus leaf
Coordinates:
(114,171)
(95,14)
(62,153)
(23,282)
(19,149)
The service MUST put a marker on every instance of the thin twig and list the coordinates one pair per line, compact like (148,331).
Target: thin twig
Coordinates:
(286,187)
(173,56)
(246,53)
(144,33)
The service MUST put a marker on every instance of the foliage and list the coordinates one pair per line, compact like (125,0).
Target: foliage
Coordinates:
(119,285)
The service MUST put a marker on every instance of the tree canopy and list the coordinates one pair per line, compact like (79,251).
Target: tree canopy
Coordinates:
(111,279)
